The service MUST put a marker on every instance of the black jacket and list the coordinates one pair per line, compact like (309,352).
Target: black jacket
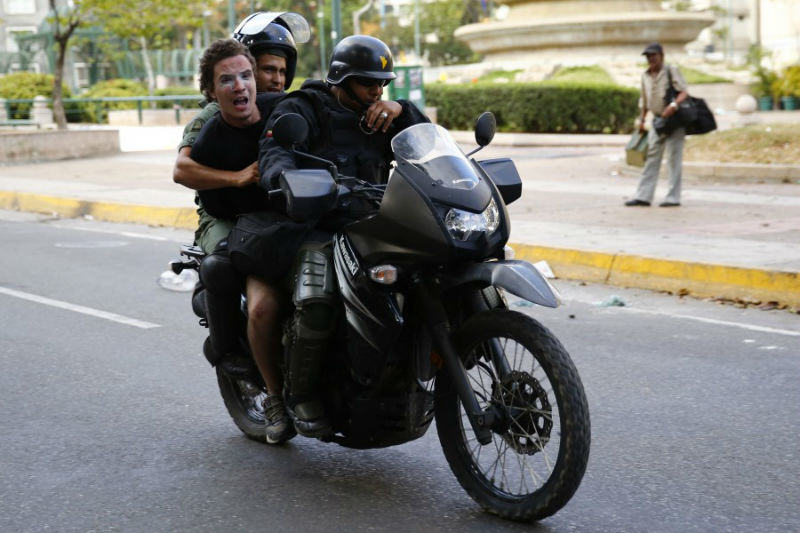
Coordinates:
(334,134)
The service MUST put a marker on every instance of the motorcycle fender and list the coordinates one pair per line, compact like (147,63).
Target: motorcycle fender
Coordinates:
(520,278)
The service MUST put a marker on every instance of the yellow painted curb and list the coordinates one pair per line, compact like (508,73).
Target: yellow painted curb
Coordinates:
(177,217)
(698,279)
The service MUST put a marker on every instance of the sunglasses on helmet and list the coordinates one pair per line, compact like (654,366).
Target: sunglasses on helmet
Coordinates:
(370,82)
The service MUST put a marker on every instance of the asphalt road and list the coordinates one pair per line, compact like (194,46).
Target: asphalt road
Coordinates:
(113,422)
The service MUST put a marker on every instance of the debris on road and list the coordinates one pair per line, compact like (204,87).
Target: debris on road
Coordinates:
(183,282)
(612,301)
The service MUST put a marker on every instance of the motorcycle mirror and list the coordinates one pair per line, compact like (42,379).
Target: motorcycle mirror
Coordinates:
(485,127)
(290,129)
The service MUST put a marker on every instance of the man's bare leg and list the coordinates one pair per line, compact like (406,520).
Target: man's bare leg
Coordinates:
(263,333)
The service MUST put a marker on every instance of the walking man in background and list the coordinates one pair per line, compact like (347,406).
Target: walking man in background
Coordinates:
(655,82)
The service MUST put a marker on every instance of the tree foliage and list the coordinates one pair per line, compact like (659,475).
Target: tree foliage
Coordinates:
(146,21)
(438,22)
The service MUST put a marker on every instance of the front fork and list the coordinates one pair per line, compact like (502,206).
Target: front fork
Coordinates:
(428,299)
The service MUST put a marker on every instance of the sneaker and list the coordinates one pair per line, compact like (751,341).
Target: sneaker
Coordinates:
(279,427)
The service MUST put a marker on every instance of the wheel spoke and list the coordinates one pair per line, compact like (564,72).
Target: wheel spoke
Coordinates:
(534,475)
(538,442)
(522,481)
(508,371)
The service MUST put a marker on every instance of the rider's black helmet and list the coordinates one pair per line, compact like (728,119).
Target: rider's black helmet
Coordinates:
(360,55)
(274,34)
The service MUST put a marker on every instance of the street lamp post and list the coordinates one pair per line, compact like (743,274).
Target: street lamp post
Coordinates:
(416,29)
(321,34)
(231,16)
(336,22)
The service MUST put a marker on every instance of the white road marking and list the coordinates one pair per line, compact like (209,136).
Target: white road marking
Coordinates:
(122,233)
(79,309)
(750,327)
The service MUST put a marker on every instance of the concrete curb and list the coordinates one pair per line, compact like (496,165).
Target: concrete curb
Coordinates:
(625,270)
(743,171)
(563,140)
(729,172)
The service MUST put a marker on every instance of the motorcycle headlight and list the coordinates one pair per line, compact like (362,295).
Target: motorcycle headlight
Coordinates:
(462,224)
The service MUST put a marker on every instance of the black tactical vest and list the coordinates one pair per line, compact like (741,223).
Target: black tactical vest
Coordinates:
(341,140)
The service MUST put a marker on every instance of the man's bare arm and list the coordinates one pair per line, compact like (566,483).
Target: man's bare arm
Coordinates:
(644,111)
(191,174)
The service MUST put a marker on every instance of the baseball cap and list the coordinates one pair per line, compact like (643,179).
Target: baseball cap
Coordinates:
(653,48)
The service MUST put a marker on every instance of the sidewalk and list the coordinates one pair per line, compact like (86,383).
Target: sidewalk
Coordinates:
(737,241)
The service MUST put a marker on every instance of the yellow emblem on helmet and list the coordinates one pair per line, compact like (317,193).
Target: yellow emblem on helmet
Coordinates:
(383,62)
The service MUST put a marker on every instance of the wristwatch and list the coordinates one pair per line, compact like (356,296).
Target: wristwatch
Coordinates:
(674,104)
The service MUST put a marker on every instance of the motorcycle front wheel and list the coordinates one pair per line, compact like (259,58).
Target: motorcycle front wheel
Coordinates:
(243,399)
(540,448)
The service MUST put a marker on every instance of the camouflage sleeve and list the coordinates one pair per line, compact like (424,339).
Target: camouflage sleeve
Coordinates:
(192,129)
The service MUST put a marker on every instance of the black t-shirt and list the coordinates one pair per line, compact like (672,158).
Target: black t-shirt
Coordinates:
(226,147)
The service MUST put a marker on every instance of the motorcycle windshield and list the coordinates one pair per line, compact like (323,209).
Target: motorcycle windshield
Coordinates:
(430,148)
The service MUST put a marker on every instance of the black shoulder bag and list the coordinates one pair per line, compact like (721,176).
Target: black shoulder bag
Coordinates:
(265,243)
(693,114)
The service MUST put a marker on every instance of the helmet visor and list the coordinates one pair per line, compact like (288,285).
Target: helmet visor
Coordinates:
(370,82)
(257,22)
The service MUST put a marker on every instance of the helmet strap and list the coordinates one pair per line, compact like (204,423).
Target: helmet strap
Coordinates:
(352,95)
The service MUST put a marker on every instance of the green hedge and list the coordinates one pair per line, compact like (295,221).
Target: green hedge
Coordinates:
(25,85)
(106,89)
(546,107)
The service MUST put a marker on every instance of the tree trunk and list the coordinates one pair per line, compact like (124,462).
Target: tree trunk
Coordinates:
(59,114)
(62,37)
(148,68)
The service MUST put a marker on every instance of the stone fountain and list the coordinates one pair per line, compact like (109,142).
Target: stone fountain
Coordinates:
(581,31)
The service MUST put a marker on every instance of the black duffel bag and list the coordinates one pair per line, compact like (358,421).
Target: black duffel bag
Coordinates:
(704,122)
(265,243)
(692,114)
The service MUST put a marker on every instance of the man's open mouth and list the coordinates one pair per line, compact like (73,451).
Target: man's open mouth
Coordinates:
(241,102)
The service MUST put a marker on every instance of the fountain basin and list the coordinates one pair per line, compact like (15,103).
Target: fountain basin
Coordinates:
(607,30)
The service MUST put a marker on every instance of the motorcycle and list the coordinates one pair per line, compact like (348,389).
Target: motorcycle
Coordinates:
(426,331)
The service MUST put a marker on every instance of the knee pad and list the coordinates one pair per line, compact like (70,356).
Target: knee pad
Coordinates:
(219,276)
(314,293)
(315,279)
(199,301)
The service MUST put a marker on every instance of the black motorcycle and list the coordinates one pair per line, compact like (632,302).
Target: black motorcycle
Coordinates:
(426,331)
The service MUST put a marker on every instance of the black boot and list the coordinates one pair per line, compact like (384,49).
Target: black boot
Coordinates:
(221,299)
(305,362)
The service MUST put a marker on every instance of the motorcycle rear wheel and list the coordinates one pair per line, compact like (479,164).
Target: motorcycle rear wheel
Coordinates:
(243,399)
(536,461)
